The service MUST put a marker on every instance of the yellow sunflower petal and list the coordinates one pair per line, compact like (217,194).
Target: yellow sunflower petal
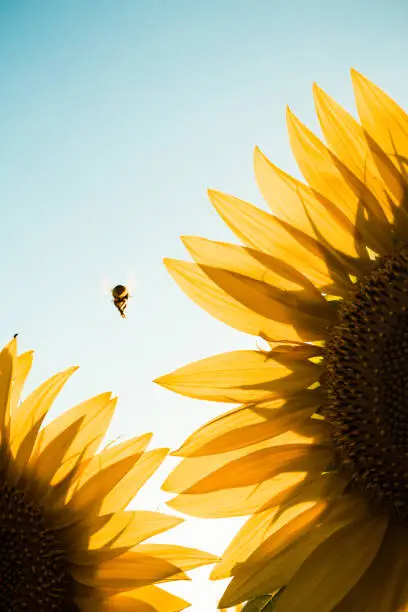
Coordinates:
(128,528)
(382,118)
(297,204)
(346,139)
(334,567)
(96,414)
(91,495)
(193,469)
(49,460)
(21,371)
(240,376)
(228,503)
(311,488)
(271,572)
(250,424)
(137,468)
(250,580)
(146,599)
(327,175)
(129,571)
(7,361)
(254,538)
(383,587)
(29,415)
(248,538)
(120,603)
(263,465)
(246,304)
(123,493)
(268,234)
(184,558)
(111,455)
(253,264)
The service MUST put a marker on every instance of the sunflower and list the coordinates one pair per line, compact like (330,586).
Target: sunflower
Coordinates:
(317,453)
(66,540)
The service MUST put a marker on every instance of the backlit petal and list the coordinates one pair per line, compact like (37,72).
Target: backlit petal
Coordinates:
(269,234)
(298,205)
(184,558)
(246,304)
(250,424)
(146,599)
(382,118)
(29,415)
(253,264)
(96,414)
(240,376)
(346,139)
(346,555)
(270,573)
(21,371)
(7,361)
(263,465)
(132,527)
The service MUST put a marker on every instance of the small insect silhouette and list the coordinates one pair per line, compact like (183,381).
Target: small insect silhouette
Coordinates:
(120,295)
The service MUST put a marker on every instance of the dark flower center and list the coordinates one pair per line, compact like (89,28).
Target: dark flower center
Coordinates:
(33,572)
(367,384)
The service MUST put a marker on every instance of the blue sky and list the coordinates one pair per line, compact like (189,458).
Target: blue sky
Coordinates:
(115,117)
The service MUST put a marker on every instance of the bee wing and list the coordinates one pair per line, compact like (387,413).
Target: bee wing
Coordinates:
(131,282)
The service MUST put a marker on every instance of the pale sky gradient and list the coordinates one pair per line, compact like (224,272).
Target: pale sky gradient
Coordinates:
(115,117)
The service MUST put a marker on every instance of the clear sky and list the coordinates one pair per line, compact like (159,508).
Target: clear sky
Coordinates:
(115,117)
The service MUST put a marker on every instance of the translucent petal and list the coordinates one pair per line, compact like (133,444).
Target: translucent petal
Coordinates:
(132,527)
(192,469)
(271,573)
(346,139)
(129,571)
(227,503)
(7,361)
(298,205)
(264,464)
(334,567)
(267,233)
(261,536)
(111,455)
(21,371)
(96,414)
(254,264)
(246,304)
(248,538)
(49,460)
(250,424)
(145,599)
(240,376)
(382,118)
(184,558)
(120,603)
(326,174)
(124,492)
(313,487)
(248,578)
(29,415)
(383,587)
(89,497)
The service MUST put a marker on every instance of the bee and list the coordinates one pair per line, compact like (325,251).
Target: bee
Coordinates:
(120,295)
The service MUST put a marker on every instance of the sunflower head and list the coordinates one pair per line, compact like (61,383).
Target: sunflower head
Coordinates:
(67,542)
(317,453)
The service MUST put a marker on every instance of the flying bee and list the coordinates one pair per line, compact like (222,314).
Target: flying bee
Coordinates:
(120,295)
